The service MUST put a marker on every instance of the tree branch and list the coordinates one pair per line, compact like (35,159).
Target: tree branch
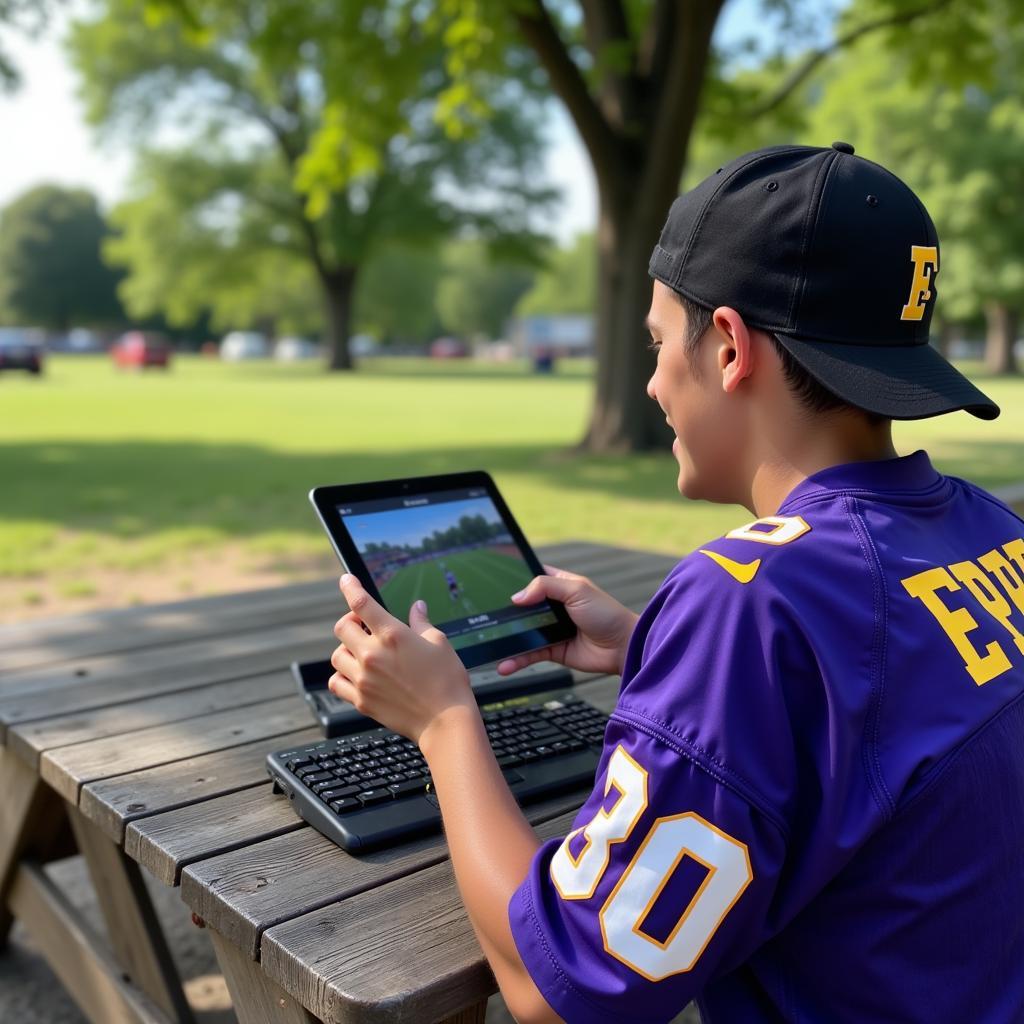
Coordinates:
(656,47)
(604,22)
(801,73)
(676,100)
(539,31)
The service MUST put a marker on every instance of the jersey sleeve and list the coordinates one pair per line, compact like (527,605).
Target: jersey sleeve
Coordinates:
(664,883)
(668,879)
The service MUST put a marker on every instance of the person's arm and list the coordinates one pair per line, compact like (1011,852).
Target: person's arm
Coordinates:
(410,679)
(491,845)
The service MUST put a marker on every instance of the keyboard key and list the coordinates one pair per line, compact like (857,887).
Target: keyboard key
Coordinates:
(311,780)
(309,769)
(346,804)
(320,787)
(375,783)
(409,786)
(375,796)
(337,792)
(299,762)
(509,759)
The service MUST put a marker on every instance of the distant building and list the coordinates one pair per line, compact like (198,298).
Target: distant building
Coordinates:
(558,335)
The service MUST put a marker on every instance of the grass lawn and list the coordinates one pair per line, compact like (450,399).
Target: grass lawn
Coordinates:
(121,487)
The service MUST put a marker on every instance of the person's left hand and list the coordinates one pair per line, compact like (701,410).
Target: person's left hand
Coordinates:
(404,677)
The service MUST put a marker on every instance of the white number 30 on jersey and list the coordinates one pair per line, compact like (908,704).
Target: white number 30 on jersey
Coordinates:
(670,839)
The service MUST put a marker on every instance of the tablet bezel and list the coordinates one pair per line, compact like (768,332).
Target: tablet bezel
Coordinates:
(326,499)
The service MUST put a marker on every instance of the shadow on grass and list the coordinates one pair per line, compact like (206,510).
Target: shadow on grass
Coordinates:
(130,489)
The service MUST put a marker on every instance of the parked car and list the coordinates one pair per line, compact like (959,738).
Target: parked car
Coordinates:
(448,348)
(21,349)
(291,350)
(79,341)
(361,345)
(244,345)
(140,349)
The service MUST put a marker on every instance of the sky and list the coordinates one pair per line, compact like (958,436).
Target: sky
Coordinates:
(45,138)
(411,525)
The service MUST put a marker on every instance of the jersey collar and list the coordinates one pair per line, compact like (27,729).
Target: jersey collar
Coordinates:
(905,474)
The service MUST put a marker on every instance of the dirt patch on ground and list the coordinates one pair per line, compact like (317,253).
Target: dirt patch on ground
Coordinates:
(223,569)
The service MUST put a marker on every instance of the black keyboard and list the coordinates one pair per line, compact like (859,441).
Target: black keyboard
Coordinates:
(372,788)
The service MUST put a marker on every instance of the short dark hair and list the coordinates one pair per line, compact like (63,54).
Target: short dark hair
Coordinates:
(811,394)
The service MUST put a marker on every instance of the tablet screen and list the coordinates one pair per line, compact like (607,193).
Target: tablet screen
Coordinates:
(452,549)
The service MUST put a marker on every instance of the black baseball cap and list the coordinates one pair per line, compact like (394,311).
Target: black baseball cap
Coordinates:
(837,258)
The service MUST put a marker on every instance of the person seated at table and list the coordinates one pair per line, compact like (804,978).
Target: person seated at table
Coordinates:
(811,797)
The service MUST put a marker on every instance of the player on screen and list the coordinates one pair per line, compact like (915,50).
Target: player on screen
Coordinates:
(453,584)
(811,798)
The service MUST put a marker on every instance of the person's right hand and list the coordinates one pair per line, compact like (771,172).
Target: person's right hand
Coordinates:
(603,625)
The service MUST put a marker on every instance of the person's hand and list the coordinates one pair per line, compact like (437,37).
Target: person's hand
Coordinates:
(603,624)
(405,677)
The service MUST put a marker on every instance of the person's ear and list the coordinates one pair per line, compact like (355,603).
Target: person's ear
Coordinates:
(735,357)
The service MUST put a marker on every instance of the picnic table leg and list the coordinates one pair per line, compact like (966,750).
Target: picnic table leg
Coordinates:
(31,817)
(256,998)
(135,934)
(471,1015)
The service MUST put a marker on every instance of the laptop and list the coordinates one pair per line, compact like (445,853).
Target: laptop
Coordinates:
(451,540)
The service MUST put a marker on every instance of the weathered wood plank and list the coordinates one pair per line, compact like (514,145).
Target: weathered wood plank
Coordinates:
(630,580)
(166,843)
(76,954)
(105,631)
(135,933)
(255,998)
(336,961)
(89,694)
(176,655)
(113,803)
(67,769)
(242,894)
(52,641)
(30,740)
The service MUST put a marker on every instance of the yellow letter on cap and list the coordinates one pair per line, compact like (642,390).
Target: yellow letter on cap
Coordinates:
(926,265)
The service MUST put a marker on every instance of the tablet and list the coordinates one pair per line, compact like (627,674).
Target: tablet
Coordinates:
(450,540)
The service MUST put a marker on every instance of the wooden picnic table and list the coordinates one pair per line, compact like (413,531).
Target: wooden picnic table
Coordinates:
(138,737)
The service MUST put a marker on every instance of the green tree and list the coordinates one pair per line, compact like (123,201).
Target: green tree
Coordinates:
(631,74)
(193,245)
(334,128)
(396,299)
(27,17)
(567,283)
(478,292)
(51,272)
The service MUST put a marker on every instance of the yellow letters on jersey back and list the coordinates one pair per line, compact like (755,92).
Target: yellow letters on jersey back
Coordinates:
(996,584)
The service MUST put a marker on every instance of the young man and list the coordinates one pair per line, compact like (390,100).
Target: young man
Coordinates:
(811,800)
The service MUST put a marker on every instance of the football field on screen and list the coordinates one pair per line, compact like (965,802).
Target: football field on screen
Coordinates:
(487,580)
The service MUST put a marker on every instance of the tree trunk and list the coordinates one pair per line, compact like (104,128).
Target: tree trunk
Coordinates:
(944,338)
(623,418)
(339,290)
(1000,337)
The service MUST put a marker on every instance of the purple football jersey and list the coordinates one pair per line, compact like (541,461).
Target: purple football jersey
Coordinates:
(810,805)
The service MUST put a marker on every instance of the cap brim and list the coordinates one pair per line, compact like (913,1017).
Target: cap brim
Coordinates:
(904,382)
